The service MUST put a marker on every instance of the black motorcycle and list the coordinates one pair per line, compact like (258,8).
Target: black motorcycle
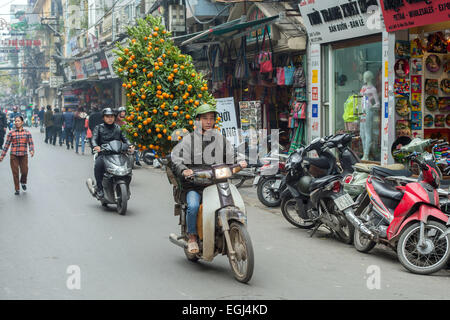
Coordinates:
(314,195)
(117,177)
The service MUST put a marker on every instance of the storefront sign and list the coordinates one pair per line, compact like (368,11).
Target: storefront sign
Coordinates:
(315,93)
(89,68)
(333,20)
(20,43)
(227,112)
(404,14)
(101,65)
(315,76)
(110,57)
(314,58)
(79,70)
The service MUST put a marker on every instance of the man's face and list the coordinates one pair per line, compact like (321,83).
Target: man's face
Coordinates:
(208,120)
(109,119)
(18,122)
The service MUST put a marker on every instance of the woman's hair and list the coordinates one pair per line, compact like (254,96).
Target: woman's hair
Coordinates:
(21,118)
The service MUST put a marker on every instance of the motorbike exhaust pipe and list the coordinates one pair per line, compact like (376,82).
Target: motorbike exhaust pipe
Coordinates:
(358,224)
(179,241)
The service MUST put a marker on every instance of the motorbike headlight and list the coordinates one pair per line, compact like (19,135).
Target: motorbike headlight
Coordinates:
(222,173)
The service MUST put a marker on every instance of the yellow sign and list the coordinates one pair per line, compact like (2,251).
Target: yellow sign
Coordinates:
(315,76)
(386,69)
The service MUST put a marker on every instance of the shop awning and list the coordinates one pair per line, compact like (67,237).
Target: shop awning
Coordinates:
(225,28)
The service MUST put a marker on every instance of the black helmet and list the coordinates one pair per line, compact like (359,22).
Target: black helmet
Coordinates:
(108,111)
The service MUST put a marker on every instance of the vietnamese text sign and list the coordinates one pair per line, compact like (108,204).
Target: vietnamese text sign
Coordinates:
(227,112)
(334,20)
(404,14)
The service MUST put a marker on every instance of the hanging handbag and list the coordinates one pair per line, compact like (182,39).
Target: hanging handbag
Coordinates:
(265,57)
(302,111)
(299,80)
(242,71)
(289,73)
(280,76)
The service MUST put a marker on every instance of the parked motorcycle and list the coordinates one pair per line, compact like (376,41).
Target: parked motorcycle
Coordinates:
(117,177)
(315,199)
(270,182)
(221,220)
(408,219)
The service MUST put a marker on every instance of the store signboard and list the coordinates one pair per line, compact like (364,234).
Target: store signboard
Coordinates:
(79,70)
(89,67)
(405,14)
(314,114)
(110,57)
(334,20)
(227,112)
(101,65)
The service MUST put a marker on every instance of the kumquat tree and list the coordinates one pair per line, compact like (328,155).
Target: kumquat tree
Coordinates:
(162,86)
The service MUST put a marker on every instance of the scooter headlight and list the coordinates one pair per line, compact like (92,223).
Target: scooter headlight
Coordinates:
(222,173)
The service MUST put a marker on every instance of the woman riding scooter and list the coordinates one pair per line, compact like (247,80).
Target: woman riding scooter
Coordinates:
(185,164)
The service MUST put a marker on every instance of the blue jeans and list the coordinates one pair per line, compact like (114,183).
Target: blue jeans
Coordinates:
(78,135)
(193,199)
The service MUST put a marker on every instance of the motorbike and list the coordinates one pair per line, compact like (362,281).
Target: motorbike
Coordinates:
(221,220)
(316,197)
(408,219)
(270,183)
(117,177)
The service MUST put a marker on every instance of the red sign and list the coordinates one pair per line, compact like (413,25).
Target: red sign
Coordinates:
(386,89)
(20,43)
(315,93)
(405,14)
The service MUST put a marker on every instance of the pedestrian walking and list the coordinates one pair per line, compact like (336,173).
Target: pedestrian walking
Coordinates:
(95,118)
(20,141)
(41,116)
(48,122)
(89,134)
(3,126)
(80,129)
(57,124)
(69,118)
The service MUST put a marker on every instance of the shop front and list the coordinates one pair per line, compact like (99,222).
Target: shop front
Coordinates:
(419,60)
(346,74)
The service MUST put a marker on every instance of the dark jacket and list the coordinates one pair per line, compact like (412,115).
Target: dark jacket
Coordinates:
(3,120)
(68,119)
(58,120)
(187,144)
(104,133)
(79,123)
(41,115)
(48,118)
(95,119)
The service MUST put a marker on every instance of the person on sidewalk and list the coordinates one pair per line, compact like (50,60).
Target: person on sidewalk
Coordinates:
(69,118)
(20,141)
(48,122)
(41,116)
(3,126)
(80,129)
(57,127)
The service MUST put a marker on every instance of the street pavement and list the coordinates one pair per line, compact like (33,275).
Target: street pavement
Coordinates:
(57,224)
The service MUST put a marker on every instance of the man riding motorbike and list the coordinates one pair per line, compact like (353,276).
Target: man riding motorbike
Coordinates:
(104,133)
(185,164)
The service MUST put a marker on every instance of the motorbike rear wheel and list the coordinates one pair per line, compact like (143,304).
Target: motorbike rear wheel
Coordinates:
(429,259)
(122,199)
(243,264)
(361,242)
(290,212)
(267,196)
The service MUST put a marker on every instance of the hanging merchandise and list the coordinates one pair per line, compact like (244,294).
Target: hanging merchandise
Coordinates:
(416,102)
(428,120)
(416,48)
(280,76)
(297,141)
(401,87)
(403,107)
(416,120)
(351,108)
(299,78)
(289,73)
(241,71)
(402,49)
(265,57)
(431,86)
(416,84)
(300,94)
(439,120)
(446,66)
(433,63)
(416,66)
(445,85)
(437,43)
(447,119)
(216,65)
(402,68)
(431,103)
(444,104)
(402,128)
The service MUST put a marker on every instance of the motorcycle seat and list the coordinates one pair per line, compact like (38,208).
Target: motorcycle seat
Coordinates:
(323,181)
(321,162)
(386,191)
(384,172)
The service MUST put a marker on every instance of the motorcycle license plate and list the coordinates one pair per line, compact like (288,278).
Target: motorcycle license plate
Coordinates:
(256,180)
(344,202)
(277,184)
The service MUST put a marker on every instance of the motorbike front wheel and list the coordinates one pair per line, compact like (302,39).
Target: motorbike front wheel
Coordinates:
(122,198)
(266,195)
(426,259)
(237,181)
(243,263)
(290,212)
(361,242)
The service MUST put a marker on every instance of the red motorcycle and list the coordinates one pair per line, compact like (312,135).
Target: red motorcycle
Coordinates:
(407,219)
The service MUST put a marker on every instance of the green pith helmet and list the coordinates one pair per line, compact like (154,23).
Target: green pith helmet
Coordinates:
(204,108)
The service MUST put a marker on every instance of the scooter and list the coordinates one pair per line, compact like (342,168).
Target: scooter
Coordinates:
(408,219)
(270,183)
(221,220)
(117,177)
